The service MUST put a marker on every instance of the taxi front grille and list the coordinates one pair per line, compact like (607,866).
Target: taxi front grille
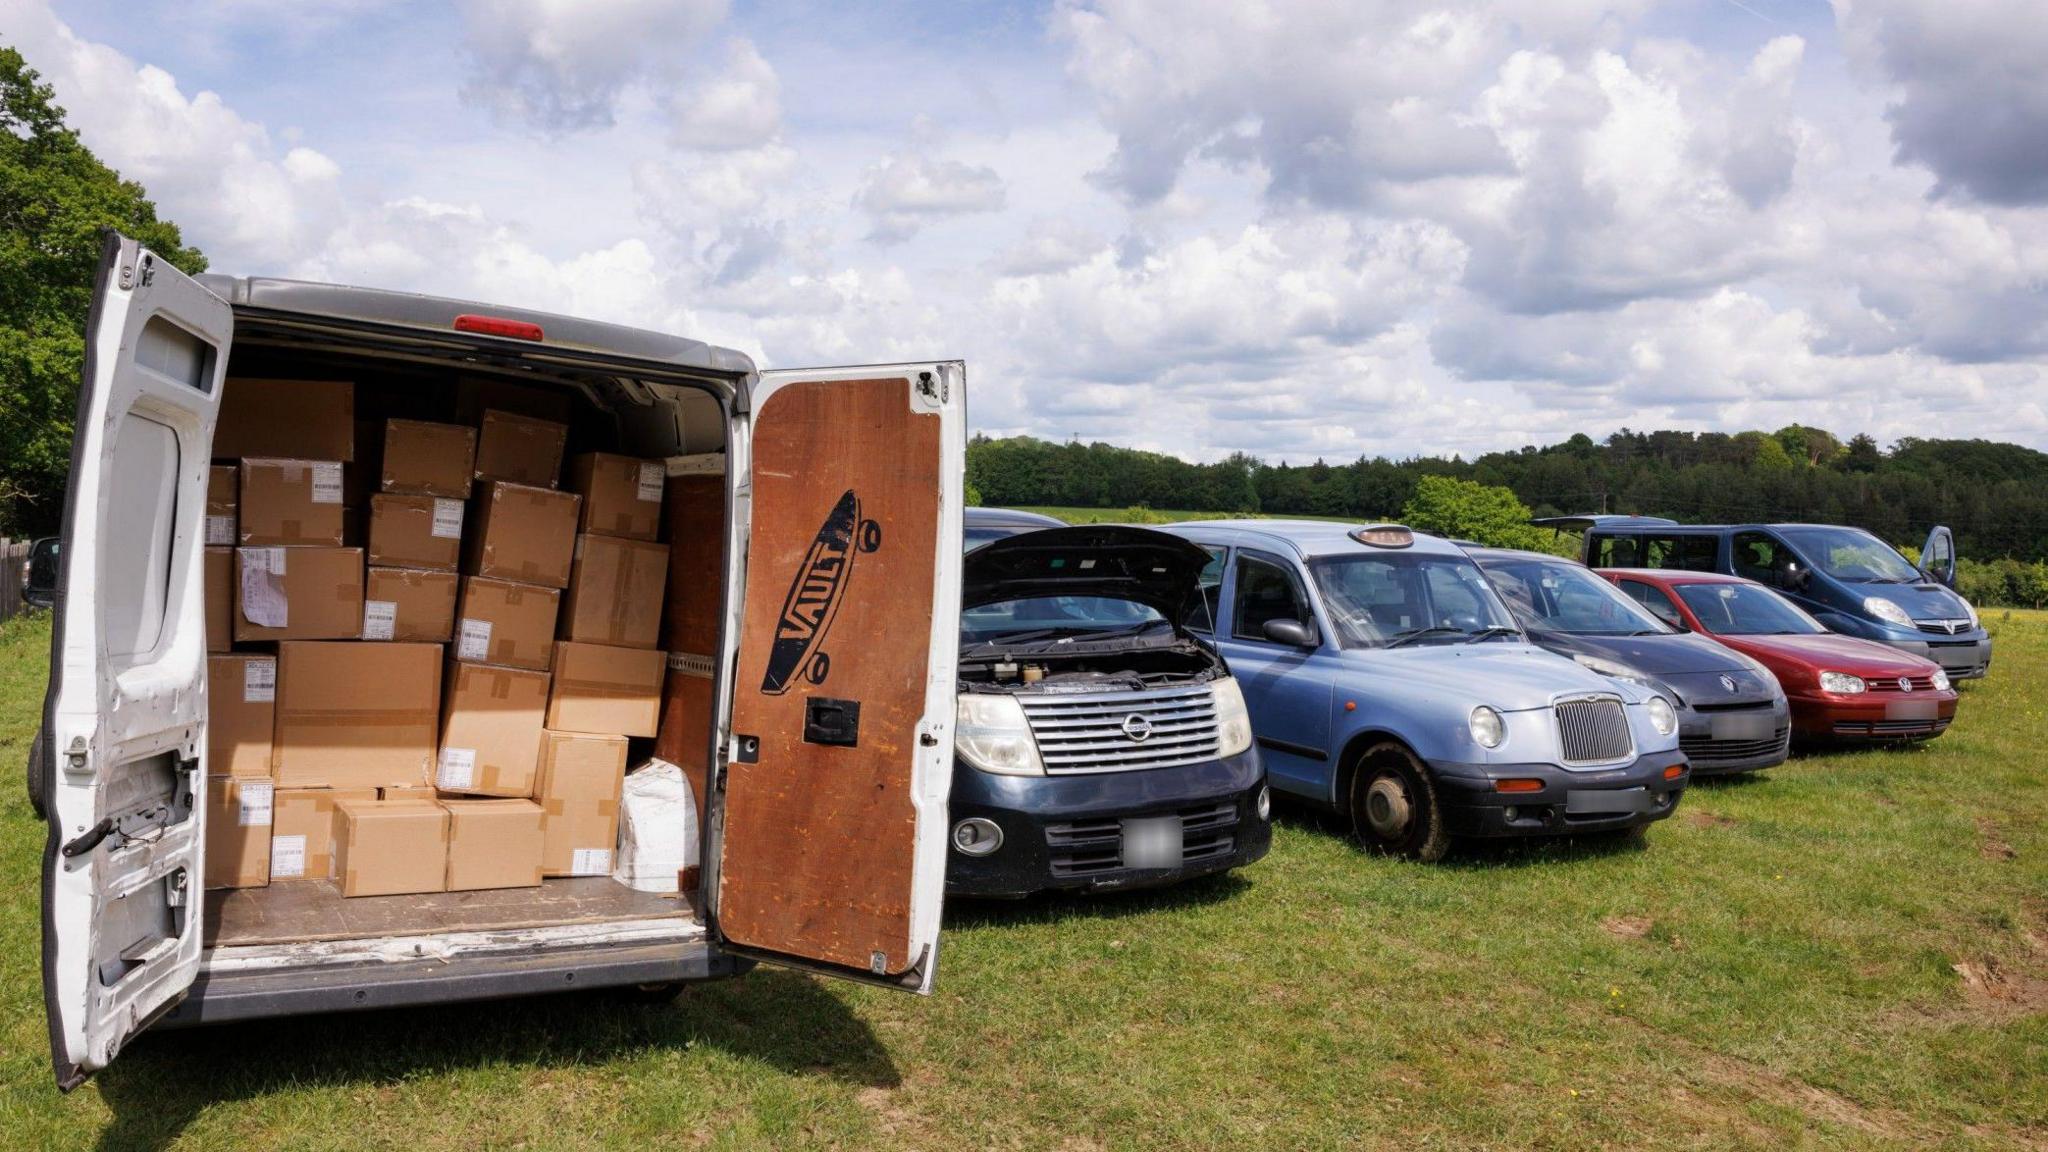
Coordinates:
(1593,730)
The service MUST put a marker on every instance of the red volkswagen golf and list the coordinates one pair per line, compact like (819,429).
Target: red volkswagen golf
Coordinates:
(1840,688)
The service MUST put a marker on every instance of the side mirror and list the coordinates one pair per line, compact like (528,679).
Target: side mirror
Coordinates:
(1290,632)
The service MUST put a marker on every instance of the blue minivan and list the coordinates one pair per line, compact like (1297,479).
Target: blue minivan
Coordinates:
(1848,579)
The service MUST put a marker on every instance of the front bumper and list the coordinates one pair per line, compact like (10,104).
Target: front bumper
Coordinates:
(1602,800)
(1066,832)
(1873,716)
(1722,741)
(1966,656)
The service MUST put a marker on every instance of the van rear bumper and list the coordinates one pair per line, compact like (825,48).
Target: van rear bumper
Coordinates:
(220,997)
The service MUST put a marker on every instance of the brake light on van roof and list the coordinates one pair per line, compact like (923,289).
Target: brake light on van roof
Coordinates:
(1384,535)
(498,326)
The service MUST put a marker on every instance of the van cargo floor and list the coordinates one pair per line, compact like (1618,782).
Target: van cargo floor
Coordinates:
(303,910)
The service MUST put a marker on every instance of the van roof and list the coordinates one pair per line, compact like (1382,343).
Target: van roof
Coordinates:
(438,313)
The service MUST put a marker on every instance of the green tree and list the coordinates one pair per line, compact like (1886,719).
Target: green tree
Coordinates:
(1469,510)
(55,200)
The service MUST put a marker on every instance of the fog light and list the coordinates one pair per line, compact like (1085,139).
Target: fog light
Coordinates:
(1264,804)
(975,836)
(1510,813)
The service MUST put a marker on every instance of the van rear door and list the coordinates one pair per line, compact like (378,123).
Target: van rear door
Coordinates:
(124,723)
(1938,556)
(829,830)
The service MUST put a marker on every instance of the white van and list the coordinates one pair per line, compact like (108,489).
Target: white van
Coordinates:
(832,713)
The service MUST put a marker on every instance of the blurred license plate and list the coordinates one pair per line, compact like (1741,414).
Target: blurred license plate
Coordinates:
(1153,842)
(1753,727)
(1607,801)
(1912,710)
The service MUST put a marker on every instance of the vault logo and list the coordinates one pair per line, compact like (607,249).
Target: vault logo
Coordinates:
(815,594)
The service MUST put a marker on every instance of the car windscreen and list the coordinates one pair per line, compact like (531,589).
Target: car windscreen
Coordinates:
(1395,599)
(1746,610)
(1052,617)
(1852,554)
(1559,596)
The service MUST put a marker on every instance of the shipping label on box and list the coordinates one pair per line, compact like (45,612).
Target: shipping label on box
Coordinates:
(415,532)
(241,694)
(409,604)
(238,816)
(425,459)
(605,689)
(291,419)
(522,533)
(490,730)
(621,494)
(501,622)
(390,848)
(219,564)
(290,502)
(519,448)
(223,481)
(615,592)
(302,831)
(298,594)
(493,844)
(578,791)
(356,715)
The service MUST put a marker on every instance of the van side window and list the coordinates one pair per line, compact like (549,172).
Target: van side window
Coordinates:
(1655,600)
(1201,617)
(1617,552)
(1761,557)
(1265,591)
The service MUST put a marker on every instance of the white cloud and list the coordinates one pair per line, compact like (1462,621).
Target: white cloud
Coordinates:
(562,65)
(740,107)
(910,190)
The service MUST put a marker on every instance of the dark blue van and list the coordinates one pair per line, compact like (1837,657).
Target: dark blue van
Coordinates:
(1848,579)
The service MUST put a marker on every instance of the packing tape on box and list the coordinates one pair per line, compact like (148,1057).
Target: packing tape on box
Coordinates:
(337,717)
(600,689)
(501,686)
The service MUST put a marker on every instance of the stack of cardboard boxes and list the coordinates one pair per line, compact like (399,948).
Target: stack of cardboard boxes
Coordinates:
(347,739)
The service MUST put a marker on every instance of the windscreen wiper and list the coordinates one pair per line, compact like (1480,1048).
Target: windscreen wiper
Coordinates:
(1419,633)
(1490,633)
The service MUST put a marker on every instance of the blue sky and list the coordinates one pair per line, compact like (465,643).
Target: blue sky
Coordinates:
(1315,228)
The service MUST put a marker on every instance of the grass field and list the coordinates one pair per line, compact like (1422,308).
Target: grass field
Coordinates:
(1851,950)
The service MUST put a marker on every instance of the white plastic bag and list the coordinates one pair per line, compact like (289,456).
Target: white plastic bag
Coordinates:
(657,828)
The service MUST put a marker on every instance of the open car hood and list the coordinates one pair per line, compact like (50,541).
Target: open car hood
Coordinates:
(1151,568)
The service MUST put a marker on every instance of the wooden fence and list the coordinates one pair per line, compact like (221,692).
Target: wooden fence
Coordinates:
(13,553)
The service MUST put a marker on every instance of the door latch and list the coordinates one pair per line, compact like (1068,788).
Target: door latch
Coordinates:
(829,721)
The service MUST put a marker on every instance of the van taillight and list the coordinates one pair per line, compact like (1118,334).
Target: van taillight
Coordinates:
(498,326)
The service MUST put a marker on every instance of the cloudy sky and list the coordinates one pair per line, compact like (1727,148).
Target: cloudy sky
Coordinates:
(1299,229)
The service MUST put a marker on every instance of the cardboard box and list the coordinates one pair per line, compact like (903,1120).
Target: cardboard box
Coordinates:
(522,533)
(500,622)
(294,419)
(493,844)
(408,792)
(388,848)
(603,689)
(290,502)
(621,494)
(220,599)
(490,730)
(298,593)
(302,831)
(577,789)
(238,816)
(241,710)
(415,531)
(696,524)
(615,591)
(409,604)
(520,449)
(223,481)
(425,459)
(475,395)
(356,715)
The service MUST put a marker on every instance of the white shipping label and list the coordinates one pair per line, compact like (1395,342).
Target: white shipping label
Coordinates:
(475,641)
(448,519)
(255,809)
(220,530)
(287,857)
(262,598)
(380,619)
(652,476)
(457,770)
(590,862)
(327,483)
(259,680)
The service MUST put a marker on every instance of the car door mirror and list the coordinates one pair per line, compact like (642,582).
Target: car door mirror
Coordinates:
(1289,632)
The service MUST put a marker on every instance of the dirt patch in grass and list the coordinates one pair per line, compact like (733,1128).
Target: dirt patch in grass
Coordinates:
(1999,992)
(1627,927)
(1700,818)
(1994,846)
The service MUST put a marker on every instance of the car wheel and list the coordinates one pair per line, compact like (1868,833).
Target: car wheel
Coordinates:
(1394,808)
(35,776)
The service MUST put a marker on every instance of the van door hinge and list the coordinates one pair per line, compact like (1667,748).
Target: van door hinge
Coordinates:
(147,266)
(932,388)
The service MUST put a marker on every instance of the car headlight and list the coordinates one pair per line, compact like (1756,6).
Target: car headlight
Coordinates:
(1233,722)
(1940,680)
(993,736)
(1662,717)
(1612,669)
(1841,683)
(1887,610)
(1487,727)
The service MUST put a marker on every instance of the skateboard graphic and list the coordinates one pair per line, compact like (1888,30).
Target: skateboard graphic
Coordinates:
(815,594)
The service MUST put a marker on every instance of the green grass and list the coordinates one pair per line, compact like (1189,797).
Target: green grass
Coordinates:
(1779,967)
